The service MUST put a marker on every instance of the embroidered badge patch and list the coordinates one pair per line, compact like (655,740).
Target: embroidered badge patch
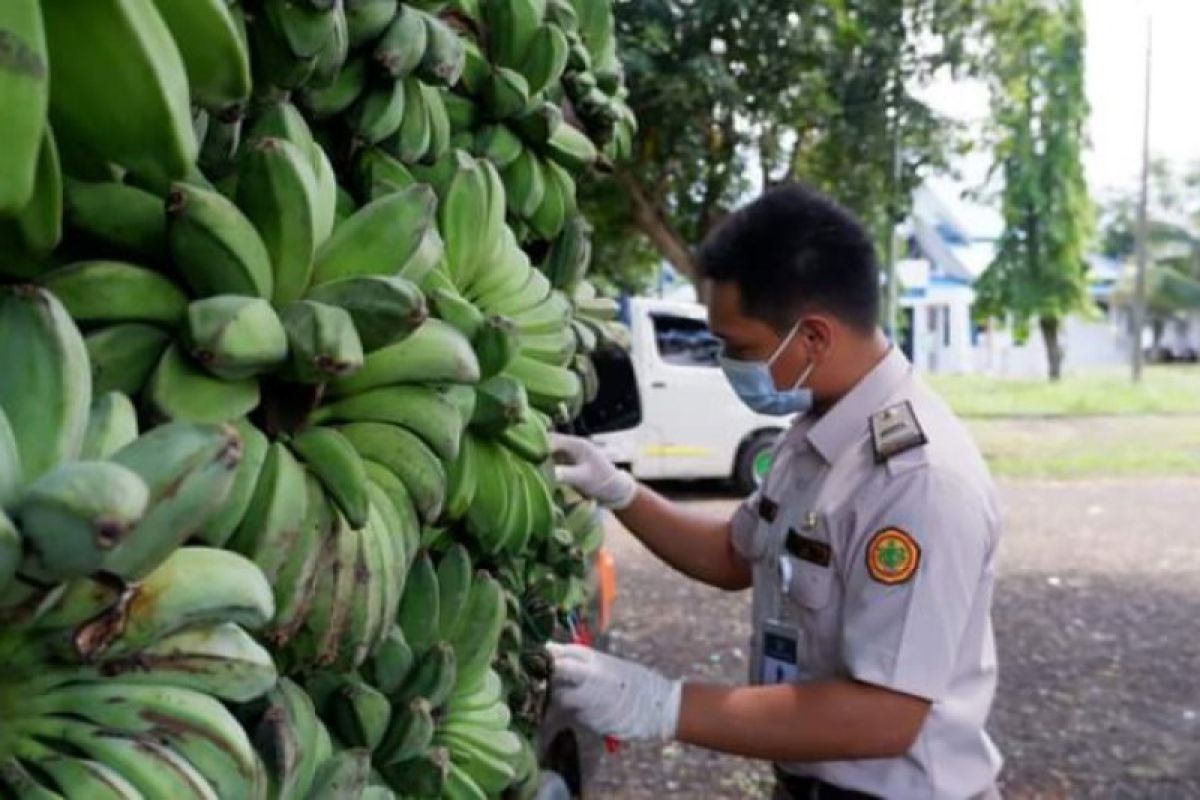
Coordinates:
(892,556)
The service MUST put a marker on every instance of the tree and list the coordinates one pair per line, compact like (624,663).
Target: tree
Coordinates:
(1035,69)
(733,94)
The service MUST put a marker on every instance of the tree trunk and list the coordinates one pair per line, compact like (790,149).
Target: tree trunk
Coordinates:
(1055,351)
(656,227)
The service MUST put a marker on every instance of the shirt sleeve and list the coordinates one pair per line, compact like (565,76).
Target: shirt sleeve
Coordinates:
(919,551)
(742,526)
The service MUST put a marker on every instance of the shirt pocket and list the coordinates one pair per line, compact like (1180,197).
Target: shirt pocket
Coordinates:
(808,556)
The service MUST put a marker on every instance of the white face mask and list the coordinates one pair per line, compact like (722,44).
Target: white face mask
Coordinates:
(753,384)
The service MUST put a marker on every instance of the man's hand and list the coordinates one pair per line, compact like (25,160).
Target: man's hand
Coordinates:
(614,697)
(591,473)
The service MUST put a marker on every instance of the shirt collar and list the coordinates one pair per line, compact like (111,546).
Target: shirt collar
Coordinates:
(849,418)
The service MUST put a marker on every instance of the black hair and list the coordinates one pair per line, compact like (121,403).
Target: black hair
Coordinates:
(794,249)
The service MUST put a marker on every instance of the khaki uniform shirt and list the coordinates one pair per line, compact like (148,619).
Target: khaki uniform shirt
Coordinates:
(885,568)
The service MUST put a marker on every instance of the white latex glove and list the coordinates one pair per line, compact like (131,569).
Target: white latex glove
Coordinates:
(591,473)
(612,696)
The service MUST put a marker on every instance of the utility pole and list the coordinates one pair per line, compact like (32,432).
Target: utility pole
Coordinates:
(1143,226)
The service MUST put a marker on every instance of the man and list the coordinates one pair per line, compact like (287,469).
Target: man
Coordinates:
(870,547)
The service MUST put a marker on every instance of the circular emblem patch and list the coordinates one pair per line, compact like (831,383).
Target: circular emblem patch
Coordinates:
(892,556)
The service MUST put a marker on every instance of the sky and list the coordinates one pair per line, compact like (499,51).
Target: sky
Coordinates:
(1115,86)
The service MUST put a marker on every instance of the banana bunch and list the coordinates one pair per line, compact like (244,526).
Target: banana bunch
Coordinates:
(594,80)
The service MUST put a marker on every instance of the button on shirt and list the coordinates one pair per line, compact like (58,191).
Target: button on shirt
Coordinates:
(888,579)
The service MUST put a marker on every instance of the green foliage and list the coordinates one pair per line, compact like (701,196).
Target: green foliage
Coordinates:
(1035,67)
(812,90)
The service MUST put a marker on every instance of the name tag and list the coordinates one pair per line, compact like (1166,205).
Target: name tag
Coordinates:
(809,550)
(779,654)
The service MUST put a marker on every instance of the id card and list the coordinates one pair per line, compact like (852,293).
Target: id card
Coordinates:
(780,643)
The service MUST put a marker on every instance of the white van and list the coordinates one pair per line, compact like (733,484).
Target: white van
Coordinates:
(692,424)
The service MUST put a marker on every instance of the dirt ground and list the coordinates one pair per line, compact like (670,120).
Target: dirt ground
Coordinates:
(1098,628)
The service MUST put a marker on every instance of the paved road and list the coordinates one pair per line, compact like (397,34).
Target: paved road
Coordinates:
(1098,625)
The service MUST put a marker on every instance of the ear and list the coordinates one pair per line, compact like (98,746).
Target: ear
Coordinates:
(818,333)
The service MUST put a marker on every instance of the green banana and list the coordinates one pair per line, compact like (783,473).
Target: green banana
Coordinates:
(401,47)
(462,112)
(570,254)
(322,341)
(24,83)
(76,778)
(339,468)
(193,586)
(331,58)
(478,635)
(214,55)
(180,390)
(297,579)
(454,575)
(461,484)
(546,58)
(113,291)
(286,736)
(411,141)
(47,391)
(281,120)
(391,661)
(277,511)
(221,660)
(440,133)
(327,193)
(118,215)
(461,786)
(406,455)
(10,463)
(112,424)
(385,309)
(445,55)
(154,769)
(571,148)
(547,385)
(434,353)
(192,724)
(496,344)
(304,29)
(342,777)
(432,677)
(424,775)
(486,759)
(74,514)
(120,86)
(378,174)
(505,93)
(277,192)
(277,69)
(410,733)
(37,226)
(359,714)
(418,612)
(219,526)
(365,621)
(214,247)
(528,439)
(123,356)
(220,144)
(340,94)
(498,144)
(491,504)
(401,503)
(235,337)
(379,112)
(380,238)
(465,221)
(367,19)
(501,401)
(512,28)
(422,410)
(317,642)
(538,124)
(189,470)
(452,307)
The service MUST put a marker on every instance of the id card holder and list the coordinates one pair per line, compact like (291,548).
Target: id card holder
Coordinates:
(779,655)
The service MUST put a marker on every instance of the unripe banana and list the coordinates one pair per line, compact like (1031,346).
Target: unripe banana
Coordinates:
(112,424)
(445,56)
(391,661)
(37,226)
(368,19)
(408,457)
(24,83)
(235,337)
(499,144)
(570,254)
(505,93)
(425,775)
(440,134)
(451,307)
(528,439)
(323,344)
(120,87)
(378,174)
(434,353)
(381,238)
(113,291)
(432,677)
(214,246)
(410,733)
(512,28)
(359,714)
(384,309)
(218,66)
(424,411)
(10,463)
(454,575)
(332,56)
(411,141)
(222,524)
(525,184)
(339,468)
(47,397)
(194,586)
(296,582)
(476,639)
(75,514)
(277,511)
(123,356)
(340,94)
(501,401)
(344,775)
(538,123)
(118,215)
(418,613)
(571,148)
(379,112)
(180,390)
(277,192)
(546,58)
(496,344)
(401,48)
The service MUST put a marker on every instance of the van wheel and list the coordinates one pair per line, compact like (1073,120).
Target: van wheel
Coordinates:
(754,461)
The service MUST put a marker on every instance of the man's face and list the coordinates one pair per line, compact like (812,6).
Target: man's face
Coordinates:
(743,337)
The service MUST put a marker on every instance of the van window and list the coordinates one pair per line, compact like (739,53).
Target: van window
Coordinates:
(685,342)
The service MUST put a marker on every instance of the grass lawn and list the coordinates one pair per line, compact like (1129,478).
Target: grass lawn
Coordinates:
(1097,447)
(1164,390)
